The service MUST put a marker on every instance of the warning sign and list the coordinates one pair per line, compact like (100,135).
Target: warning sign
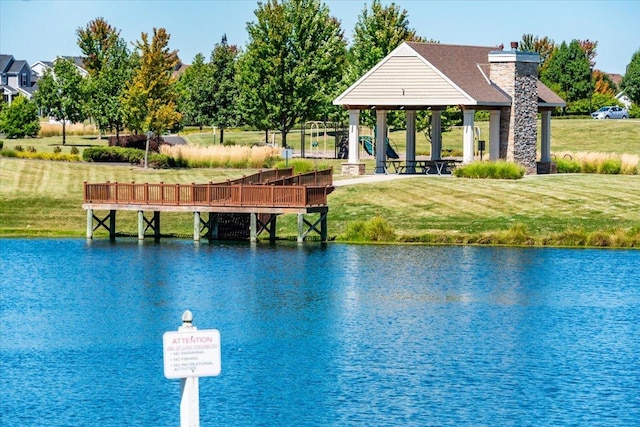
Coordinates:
(191,353)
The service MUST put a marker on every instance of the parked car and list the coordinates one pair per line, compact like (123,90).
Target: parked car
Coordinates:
(611,112)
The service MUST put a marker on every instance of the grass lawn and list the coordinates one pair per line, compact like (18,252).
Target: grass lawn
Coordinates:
(41,198)
(575,135)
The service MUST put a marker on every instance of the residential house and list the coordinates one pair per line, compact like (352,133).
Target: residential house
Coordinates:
(41,66)
(16,79)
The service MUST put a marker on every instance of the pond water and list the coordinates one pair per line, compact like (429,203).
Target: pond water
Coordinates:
(320,334)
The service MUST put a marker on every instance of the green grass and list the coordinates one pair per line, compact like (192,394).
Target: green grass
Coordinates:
(42,198)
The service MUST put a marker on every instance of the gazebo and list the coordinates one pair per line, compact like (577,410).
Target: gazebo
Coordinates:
(420,76)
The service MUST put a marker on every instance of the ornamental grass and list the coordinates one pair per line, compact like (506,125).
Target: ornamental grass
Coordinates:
(235,156)
(602,163)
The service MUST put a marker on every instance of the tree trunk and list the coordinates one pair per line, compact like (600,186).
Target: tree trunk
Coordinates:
(221,136)
(64,136)
(284,139)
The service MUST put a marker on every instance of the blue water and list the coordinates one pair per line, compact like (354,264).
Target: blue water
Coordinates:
(318,335)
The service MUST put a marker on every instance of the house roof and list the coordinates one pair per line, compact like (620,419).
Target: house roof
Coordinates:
(421,75)
(5,62)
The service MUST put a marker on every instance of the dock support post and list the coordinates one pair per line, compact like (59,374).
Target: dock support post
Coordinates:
(140,225)
(253,227)
(323,226)
(156,221)
(300,228)
(196,226)
(272,230)
(89,223)
(213,225)
(112,225)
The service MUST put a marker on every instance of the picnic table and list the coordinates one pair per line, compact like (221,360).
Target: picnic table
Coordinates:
(425,167)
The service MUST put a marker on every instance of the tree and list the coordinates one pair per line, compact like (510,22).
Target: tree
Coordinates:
(150,96)
(20,119)
(631,81)
(292,65)
(196,88)
(95,41)
(224,61)
(107,60)
(545,47)
(61,94)
(569,73)
(603,83)
(378,31)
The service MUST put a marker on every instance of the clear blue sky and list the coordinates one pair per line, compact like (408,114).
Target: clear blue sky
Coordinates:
(43,29)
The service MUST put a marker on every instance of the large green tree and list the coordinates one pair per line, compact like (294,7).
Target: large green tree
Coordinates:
(379,30)
(62,95)
(150,96)
(224,62)
(107,60)
(196,90)
(545,47)
(292,65)
(569,72)
(19,119)
(631,81)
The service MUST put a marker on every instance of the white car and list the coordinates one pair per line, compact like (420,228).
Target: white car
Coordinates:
(611,112)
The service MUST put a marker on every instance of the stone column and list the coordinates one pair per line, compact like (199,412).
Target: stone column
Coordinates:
(410,155)
(545,131)
(516,73)
(494,135)
(467,146)
(436,134)
(381,140)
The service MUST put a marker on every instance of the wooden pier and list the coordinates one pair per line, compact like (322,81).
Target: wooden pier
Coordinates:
(255,201)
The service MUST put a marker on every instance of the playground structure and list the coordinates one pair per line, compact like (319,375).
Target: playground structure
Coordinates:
(325,138)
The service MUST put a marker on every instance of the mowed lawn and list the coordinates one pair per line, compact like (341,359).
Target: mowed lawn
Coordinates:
(567,135)
(42,198)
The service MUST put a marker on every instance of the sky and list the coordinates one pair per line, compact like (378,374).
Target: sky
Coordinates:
(40,30)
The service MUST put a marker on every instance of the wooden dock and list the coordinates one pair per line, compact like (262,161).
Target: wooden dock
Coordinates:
(255,200)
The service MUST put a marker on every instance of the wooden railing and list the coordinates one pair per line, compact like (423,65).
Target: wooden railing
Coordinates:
(275,188)
(205,194)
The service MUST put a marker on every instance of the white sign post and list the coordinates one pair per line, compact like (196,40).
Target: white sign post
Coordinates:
(190,353)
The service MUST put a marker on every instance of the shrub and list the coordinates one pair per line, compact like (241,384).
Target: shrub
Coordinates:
(61,157)
(568,166)
(57,149)
(376,229)
(136,141)
(492,170)
(74,150)
(1,145)
(610,167)
(18,148)
(31,149)
(20,119)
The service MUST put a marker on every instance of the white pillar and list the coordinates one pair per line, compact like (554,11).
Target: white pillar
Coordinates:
(436,134)
(196,226)
(189,389)
(467,145)
(410,155)
(89,223)
(354,136)
(140,225)
(494,135)
(545,136)
(381,140)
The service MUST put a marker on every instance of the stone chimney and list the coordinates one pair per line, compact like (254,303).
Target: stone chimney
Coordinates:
(516,73)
